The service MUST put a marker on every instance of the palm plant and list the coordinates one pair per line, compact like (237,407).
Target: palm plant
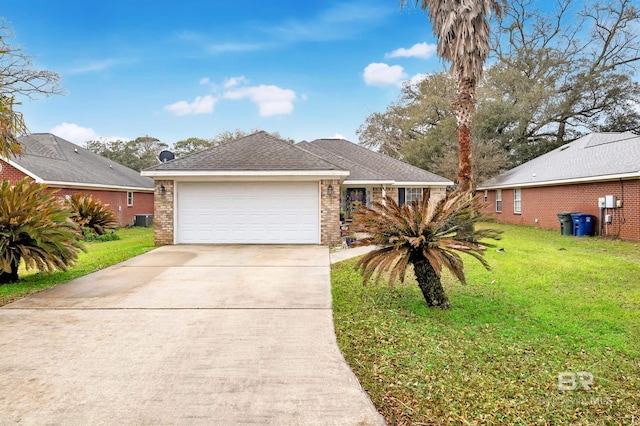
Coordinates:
(425,235)
(91,214)
(34,228)
(462,30)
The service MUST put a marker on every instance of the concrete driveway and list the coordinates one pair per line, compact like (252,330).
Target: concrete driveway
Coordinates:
(183,335)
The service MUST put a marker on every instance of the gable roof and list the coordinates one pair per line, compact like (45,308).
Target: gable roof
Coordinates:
(356,171)
(367,160)
(52,160)
(597,156)
(257,152)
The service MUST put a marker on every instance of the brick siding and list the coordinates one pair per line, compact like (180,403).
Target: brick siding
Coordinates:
(116,200)
(10,173)
(543,204)
(163,212)
(330,213)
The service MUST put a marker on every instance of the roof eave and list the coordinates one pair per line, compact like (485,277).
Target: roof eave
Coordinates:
(245,174)
(80,185)
(423,183)
(23,170)
(632,175)
(368,182)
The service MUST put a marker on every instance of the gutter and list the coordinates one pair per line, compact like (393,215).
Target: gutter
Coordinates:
(602,178)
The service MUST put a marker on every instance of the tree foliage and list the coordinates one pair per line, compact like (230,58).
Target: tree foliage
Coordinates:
(191,145)
(137,154)
(426,235)
(18,78)
(554,75)
(34,228)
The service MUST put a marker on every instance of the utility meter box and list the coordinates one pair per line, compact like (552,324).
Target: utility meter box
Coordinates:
(610,201)
(601,203)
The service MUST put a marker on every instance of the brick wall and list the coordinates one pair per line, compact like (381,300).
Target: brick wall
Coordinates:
(116,200)
(10,173)
(544,203)
(330,213)
(163,212)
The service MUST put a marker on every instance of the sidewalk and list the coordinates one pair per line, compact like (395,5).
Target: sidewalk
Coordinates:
(350,253)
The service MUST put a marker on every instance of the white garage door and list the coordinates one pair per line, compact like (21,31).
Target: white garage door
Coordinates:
(248,213)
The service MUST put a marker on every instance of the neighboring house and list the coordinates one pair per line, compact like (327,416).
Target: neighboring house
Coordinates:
(572,178)
(71,169)
(262,190)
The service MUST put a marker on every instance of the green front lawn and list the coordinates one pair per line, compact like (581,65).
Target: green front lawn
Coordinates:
(99,255)
(551,304)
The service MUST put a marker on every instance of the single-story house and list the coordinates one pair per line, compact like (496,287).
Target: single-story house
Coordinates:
(263,190)
(71,169)
(576,177)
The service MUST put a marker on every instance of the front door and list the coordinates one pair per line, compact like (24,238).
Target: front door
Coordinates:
(354,198)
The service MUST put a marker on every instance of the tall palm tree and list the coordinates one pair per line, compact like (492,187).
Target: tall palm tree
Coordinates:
(425,235)
(462,30)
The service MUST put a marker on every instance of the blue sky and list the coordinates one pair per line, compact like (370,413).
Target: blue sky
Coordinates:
(175,70)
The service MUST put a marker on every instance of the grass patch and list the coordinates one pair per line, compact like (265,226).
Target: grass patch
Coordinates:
(99,255)
(551,304)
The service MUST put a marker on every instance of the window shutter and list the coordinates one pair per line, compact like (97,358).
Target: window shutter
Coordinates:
(401,196)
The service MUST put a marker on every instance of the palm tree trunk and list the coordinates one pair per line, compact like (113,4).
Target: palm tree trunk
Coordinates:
(10,277)
(430,284)
(463,106)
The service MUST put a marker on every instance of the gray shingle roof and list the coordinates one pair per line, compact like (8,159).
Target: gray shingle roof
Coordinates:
(257,152)
(356,171)
(592,156)
(390,168)
(54,159)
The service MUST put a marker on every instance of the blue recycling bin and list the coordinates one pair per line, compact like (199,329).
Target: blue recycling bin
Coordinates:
(583,224)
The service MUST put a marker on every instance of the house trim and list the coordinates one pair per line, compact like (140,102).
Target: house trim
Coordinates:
(246,175)
(425,184)
(602,178)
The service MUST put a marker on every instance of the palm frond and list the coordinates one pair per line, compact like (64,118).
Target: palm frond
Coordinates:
(428,229)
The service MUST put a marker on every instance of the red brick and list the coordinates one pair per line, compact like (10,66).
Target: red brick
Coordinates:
(543,204)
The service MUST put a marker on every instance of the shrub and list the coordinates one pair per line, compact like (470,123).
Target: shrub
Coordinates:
(425,234)
(34,227)
(91,214)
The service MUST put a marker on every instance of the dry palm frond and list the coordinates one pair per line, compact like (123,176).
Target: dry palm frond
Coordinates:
(422,230)
(91,214)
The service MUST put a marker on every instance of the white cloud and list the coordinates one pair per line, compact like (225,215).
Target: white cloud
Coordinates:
(74,133)
(379,74)
(205,81)
(338,136)
(200,105)
(271,100)
(416,79)
(418,50)
(235,81)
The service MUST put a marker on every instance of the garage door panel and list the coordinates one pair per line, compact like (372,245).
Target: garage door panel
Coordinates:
(253,213)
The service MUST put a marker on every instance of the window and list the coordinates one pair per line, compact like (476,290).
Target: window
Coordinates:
(129,198)
(486,196)
(517,200)
(498,200)
(408,195)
